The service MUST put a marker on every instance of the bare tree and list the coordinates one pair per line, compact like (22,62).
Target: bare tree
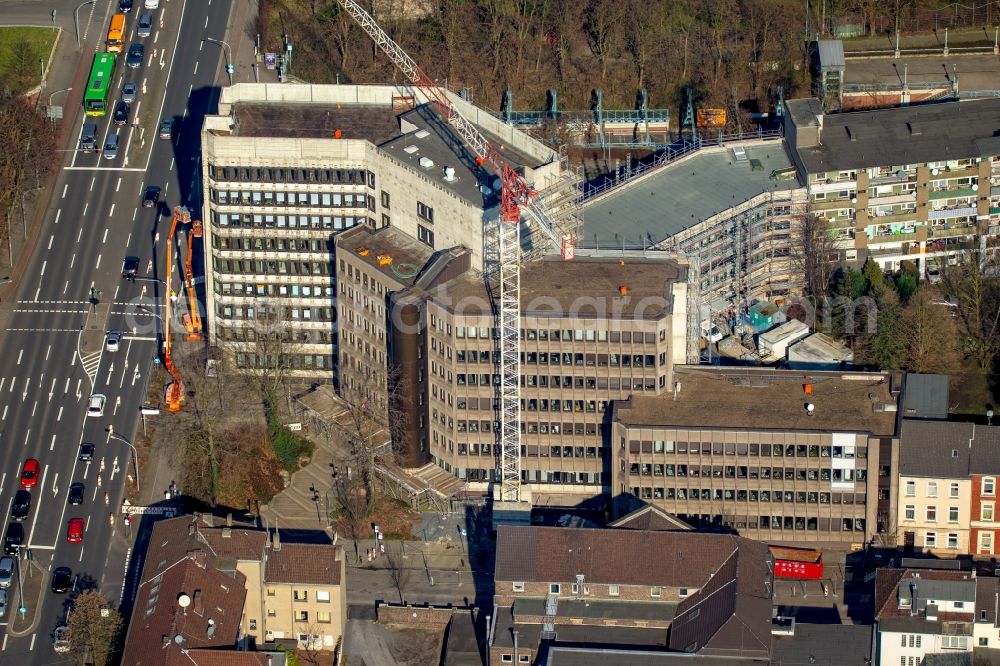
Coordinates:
(930,335)
(93,629)
(398,571)
(976,287)
(814,254)
(605,28)
(353,508)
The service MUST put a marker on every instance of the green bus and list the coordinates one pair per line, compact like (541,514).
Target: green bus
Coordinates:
(95,99)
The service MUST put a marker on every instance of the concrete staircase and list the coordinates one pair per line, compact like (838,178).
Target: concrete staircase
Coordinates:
(293,507)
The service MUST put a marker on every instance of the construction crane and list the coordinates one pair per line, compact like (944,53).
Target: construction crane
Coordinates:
(515,195)
(174,396)
(192,320)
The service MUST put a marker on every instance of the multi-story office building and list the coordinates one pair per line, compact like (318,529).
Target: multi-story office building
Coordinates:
(593,331)
(909,183)
(776,455)
(287,167)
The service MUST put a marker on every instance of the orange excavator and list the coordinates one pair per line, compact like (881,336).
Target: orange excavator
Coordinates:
(174,396)
(192,320)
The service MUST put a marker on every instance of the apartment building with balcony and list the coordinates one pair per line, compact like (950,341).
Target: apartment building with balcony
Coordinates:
(593,331)
(775,455)
(912,183)
(287,168)
(233,590)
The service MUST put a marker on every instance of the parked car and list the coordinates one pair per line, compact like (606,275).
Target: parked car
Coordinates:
(60,642)
(3,603)
(145,27)
(134,56)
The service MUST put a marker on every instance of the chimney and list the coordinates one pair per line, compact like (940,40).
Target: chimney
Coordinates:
(192,527)
(851,134)
(913,599)
(227,532)
(229,519)
(207,518)
(276,544)
(199,604)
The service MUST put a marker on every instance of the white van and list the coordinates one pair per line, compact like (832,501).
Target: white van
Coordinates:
(152,4)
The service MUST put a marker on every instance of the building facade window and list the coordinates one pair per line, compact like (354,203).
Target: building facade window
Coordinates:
(554,588)
(986,542)
(986,511)
(952,514)
(953,491)
(911,488)
(300,595)
(324,616)
(301,616)
(930,540)
(932,488)
(931,514)
(425,235)
(425,212)
(323,596)
(613,591)
(952,540)
(517,587)
(910,512)
(989,485)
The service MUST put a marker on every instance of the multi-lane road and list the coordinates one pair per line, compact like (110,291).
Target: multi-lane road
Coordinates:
(50,363)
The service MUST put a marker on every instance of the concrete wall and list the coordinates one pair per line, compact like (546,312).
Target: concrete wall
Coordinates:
(415,615)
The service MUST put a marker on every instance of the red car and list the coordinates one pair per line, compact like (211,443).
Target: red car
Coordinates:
(74,530)
(29,474)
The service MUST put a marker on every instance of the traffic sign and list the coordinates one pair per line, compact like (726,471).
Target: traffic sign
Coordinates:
(270,60)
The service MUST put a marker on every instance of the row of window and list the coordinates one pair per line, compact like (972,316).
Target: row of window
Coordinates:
(743,472)
(528,476)
(581,335)
(287,361)
(269,221)
(258,289)
(278,316)
(291,175)
(313,336)
(728,494)
(269,267)
(950,541)
(931,513)
(293,199)
(931,489)
(272,244)
(747,449)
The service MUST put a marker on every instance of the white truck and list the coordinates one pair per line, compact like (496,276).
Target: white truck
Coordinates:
(710,331)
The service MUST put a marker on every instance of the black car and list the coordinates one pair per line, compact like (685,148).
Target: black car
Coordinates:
(62,580)
(21,506)
(122,110)
(86,452)
(151,197)
(13,539)
(76,494)
(125,6)
(130,268)
(134,56)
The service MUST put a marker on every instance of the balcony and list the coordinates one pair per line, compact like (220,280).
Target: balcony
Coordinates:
(950,231)
(908,216)
(952,193)
(830,204)
(892,238)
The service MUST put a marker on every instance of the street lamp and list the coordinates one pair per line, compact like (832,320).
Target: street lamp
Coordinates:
(227,52)
(135,454)
(76,19)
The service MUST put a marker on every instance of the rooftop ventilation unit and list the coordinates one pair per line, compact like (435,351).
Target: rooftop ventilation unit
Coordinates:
(426,162)
(449,173)
(410,150)
(422,134)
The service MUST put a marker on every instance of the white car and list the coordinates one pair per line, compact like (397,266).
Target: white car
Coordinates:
(6,571)
(95,406)
(59,641)
(111,340)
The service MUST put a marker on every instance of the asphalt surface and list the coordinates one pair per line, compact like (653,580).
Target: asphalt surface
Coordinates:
(52,352)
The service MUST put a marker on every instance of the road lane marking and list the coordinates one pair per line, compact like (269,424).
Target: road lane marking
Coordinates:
(32,646)
(27,383)
(98,262)
(12,382)
(119,185)
(58,212)
(19,355)
(135,212)
(44,265)
(66,388)
(27,436)
(3,380)
(105,239)
(38,292)
(59,415)
(47,352)
(65,187)
(51,238)
(112,213)
(72,260)
(79,235)
(92,181)
(171,164)
(66,287)
(4,417)
(33,409)
(85,206)
(51,447)
(196,68)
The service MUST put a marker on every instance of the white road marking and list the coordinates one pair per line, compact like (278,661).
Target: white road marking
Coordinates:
(119,185)
(105,239)
(129,239)
(3,380)
(44,264)
(51,238)
(65,187)
(195,68)
(112,213)
(33,409)
(66,388)
(32,646)
(92,181)
(206,23)
(171,164)
(58,212)
(85,207)
(4,417)
(38,291)
(52,389)
(47,352)
(72,260)
(27,436)
(135,212)
(27,383)
(19,355)
(79,235)
(98,262)
(59,415)
(12,382)
(51,447)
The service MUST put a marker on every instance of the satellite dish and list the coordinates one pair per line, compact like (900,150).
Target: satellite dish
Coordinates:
(211,622)
(810,407)
(183,600)
(179,639)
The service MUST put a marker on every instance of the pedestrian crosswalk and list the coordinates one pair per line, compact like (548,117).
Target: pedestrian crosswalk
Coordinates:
(90,364)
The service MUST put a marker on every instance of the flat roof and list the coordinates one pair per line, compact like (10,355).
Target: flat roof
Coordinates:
(764,399)
(974,71)
(945,131)
(678,196)
(819,348)
(375,123)
(585,286)
(408,255)
(594,608)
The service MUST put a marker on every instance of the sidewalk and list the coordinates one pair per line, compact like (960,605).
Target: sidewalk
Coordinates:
(242,39)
